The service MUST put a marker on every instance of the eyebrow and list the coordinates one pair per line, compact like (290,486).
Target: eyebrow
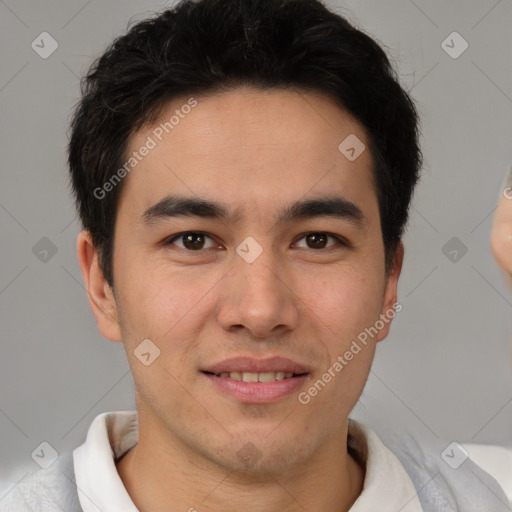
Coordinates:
(325,206)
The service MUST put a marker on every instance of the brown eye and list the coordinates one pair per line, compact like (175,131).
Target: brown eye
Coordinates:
(191,240)
(318,240)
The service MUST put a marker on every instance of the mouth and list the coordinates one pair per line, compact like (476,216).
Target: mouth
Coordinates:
(256,377)
(256,388)
(251,380)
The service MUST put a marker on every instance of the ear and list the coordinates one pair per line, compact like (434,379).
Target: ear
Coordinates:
(101,297)
(389,304)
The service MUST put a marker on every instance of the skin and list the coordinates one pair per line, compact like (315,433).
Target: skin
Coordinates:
(257,151)
(501,234)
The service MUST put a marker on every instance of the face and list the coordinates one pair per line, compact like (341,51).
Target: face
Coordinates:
(287,290)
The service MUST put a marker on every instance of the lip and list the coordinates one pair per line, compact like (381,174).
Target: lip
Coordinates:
(257,392)
(254,365)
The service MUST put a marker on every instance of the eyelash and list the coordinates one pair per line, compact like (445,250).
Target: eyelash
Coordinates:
(341,241)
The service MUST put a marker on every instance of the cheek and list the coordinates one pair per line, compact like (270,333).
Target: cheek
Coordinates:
(346,301)
(501,245)
(159,302)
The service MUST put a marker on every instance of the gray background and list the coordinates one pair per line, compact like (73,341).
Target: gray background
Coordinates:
(445,369)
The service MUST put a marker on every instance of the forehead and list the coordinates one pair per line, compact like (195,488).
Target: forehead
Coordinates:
(248,146)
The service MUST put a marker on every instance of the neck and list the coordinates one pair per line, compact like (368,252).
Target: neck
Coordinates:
(160,473)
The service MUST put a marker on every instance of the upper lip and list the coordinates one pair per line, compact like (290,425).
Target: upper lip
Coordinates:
(253,365)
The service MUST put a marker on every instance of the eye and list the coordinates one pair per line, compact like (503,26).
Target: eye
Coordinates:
(318,240)
(194,241)
(191,240)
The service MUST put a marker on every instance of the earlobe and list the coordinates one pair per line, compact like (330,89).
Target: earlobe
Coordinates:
(101,298)
(390,304)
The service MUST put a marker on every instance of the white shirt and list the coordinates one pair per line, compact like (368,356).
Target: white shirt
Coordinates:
(387,486)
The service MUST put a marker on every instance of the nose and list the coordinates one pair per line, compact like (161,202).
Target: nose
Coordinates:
(259,298)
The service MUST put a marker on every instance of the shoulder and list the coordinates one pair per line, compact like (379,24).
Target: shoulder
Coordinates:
(496,460)
(52,489)
(446,473)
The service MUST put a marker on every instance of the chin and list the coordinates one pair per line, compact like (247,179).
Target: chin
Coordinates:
(253,455)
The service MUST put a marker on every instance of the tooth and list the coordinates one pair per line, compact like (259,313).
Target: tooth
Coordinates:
(256,377)
(249,377)
(266,377)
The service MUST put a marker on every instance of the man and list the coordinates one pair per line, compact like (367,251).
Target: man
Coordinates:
(243,171)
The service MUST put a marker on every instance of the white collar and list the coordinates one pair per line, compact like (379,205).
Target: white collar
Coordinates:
(100,488)
(387,487)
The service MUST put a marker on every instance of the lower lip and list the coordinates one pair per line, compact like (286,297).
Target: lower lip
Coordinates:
(257,392)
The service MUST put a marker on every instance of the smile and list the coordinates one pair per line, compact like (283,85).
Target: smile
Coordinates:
(256,388)
(256,377)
